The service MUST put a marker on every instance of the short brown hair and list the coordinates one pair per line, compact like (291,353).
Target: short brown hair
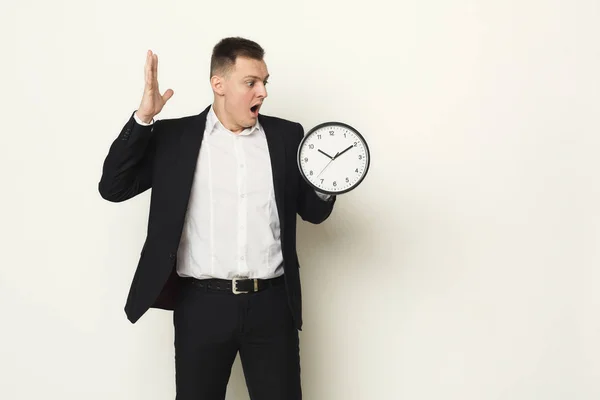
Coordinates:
(229,49)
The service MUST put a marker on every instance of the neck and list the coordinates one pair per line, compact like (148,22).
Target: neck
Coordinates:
(219,109)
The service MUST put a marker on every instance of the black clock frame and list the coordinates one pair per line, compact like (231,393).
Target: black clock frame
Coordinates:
(343,125)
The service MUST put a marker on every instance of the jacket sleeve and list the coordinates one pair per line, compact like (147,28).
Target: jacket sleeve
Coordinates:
(127,168)
(310,206)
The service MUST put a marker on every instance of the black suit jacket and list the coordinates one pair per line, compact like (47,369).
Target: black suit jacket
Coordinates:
(163,157)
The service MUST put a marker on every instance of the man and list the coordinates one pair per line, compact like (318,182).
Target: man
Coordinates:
(220,248)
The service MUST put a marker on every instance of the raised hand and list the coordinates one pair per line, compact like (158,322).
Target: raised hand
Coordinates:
(152,101)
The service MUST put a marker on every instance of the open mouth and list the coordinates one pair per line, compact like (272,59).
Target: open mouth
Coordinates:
(254,109)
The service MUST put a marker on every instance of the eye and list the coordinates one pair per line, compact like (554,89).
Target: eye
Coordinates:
(265,83)
(250,83)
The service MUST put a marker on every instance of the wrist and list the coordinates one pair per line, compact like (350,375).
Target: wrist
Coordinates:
(144,118)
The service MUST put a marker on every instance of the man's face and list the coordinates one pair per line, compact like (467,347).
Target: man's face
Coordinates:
(243,92)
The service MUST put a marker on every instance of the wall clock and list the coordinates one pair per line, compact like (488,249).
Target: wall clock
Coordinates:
(333,158)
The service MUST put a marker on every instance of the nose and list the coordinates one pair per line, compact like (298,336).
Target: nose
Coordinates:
(262,91)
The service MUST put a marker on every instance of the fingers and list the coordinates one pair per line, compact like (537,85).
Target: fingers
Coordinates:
(151,70)
(151,75)
(148,69)
(168,94)
(146,65)
(155,67)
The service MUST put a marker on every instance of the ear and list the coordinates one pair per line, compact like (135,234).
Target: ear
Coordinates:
(217,83)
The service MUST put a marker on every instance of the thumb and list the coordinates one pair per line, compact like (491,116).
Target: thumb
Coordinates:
(168,94)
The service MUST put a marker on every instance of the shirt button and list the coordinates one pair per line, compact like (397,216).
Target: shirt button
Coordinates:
(242,258)
(242,196)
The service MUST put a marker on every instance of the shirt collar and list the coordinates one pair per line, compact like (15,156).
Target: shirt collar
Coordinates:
(213,123)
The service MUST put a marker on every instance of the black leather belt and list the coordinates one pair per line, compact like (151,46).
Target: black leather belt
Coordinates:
(237,285)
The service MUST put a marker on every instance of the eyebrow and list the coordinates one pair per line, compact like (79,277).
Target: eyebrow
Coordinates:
(256,77)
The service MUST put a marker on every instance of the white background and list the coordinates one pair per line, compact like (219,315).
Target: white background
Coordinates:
(464,267)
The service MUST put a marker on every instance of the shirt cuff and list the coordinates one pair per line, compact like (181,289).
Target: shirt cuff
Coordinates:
(139,121)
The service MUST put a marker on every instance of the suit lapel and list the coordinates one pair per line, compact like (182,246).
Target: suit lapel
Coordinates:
(277,154)
(189,148)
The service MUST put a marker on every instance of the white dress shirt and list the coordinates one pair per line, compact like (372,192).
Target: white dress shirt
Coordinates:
(231,227)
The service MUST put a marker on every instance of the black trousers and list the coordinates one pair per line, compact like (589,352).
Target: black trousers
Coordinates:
(212,326)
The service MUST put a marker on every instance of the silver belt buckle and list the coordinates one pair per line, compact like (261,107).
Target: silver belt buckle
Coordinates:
(234,286)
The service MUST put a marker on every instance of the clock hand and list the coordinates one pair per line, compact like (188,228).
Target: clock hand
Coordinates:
(322,152)
(339,154)
(333,158)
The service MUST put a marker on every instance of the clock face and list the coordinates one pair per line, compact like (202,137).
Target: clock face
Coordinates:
(333,158)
